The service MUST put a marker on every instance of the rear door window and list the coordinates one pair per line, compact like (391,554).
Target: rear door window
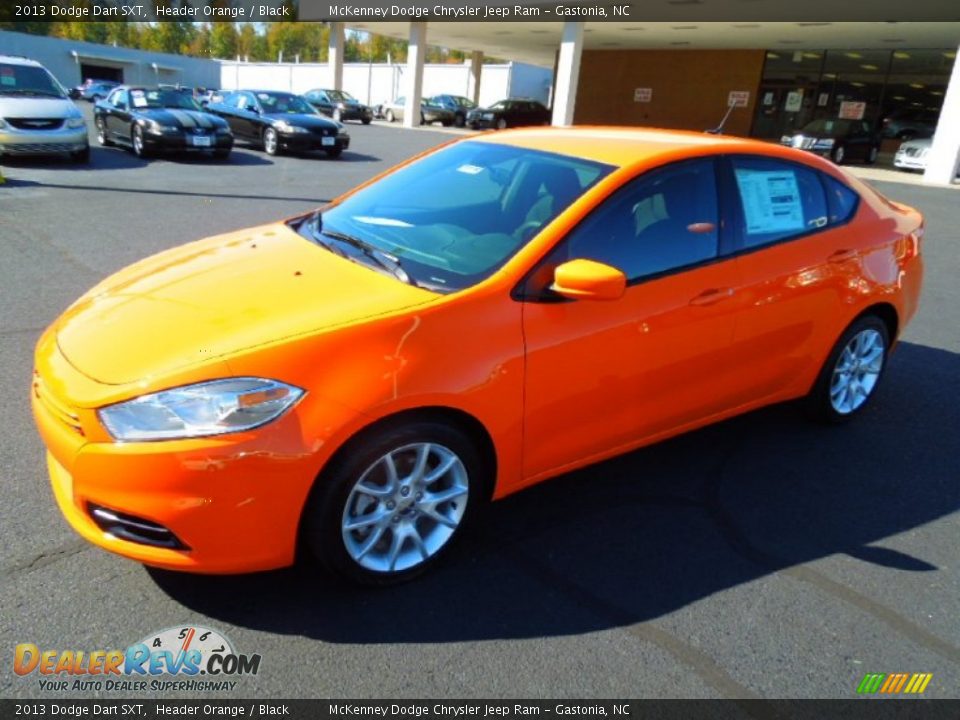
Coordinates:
(777,200)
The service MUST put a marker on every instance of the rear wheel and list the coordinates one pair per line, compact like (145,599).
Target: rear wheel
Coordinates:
(460,120)
(839,155)
(389,117)
(872,155)
(852,372)
(389,508)
(501,124)
(365,120)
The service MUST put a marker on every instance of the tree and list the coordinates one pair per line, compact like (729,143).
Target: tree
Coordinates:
(223,40)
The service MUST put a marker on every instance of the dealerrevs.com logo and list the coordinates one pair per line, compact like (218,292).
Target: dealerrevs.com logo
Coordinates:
(187,658)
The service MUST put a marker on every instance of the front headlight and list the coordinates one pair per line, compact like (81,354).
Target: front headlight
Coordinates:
(157,129)
(2,124)
(284,126)
(76,122)
(825,143)
(208,408)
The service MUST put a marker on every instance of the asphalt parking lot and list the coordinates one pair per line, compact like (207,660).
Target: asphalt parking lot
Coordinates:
(762,557)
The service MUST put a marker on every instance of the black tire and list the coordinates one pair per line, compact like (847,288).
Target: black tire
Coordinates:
(459,121)
(818,404)
(872,154)
(365,121)
(502,124)
(81,157)
(321,526)
(839,155)
(137,143)
(271,142)
(389,116)
(102,137)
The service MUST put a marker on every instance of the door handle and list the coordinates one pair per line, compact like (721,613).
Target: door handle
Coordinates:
(842,256)
(711,296)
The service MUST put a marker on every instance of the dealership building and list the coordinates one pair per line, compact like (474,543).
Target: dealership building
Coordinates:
(684,74)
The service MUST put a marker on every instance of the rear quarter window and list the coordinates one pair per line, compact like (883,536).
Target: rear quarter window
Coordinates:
(841,201)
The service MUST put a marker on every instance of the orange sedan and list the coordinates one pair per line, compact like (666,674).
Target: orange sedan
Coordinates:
(503,309)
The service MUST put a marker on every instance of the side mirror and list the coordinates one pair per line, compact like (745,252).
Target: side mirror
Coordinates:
(74,94)
(588,280)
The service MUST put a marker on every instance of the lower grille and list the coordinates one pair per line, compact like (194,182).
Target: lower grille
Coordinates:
(133,528)
(35,123)
(37,148)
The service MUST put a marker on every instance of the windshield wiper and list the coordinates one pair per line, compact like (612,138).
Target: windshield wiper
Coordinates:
(385,260)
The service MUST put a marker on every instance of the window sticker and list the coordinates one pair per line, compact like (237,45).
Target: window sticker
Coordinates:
(771,201)
(7,77)
(139,100)
(470,169)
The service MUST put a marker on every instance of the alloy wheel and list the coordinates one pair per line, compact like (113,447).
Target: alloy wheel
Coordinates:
(270,141)
(405,507)
(138,141)
(857,371)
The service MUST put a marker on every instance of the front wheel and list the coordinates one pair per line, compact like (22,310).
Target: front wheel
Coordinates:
(502,124)
(392,504)
(139,146)
(271,144)
(852,372)
(102,136)
(839,155)
(872,155)
(389,117)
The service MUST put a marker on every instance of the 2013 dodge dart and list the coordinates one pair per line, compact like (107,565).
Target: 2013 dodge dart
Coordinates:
(359,381)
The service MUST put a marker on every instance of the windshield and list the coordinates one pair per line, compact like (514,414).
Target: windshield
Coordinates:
(456,216)
(28,80)
(464,102)
(340,96)
(827,127)
(284,103)
(163,99)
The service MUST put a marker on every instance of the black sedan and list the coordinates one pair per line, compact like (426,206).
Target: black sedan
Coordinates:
(149,120)
(839,140)
(279,121)
(457,104)
(509,113)
(339,105)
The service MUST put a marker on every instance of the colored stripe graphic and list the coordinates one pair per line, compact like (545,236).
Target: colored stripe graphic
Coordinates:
(894,683)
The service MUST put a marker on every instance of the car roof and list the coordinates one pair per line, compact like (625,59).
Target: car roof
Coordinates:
(624,146)
(19,60)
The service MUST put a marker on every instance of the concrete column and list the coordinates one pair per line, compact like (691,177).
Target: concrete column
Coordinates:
(335,55)
(413,77)
(568,72)
(476,67)
(944,156)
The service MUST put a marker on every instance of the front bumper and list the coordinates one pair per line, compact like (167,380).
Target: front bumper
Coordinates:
(478,123)
(14,141)
(232,502)
(306,142)
(184,143)
(352,113)
(906,162)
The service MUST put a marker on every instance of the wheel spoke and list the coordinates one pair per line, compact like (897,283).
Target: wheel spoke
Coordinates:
(442,469)
(436,498)
(418,542)
(364,521)
(437,516)
(391,468)
(375,491)
(396,545)
(423,454)
(369,543)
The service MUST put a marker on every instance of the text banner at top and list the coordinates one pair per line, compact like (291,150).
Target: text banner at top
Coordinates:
(618,11)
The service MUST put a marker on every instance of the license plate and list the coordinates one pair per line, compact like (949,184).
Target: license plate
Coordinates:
(200,141)
(329,141)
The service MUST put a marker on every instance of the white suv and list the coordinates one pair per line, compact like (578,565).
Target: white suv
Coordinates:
(36,116)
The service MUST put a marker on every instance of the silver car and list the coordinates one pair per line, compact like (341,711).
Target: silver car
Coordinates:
(36,116)
(913,154)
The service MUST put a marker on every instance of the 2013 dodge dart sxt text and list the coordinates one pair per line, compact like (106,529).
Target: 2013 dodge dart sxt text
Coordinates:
(360,380)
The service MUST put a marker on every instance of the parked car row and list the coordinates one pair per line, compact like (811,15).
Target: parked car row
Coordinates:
(839,140)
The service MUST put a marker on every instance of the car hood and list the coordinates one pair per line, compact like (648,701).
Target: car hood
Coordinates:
(210,299)
(187,119)
(23,107)
(303,120)
(922,144)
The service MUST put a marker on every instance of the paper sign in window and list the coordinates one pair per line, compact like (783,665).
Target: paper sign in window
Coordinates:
(771,201)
